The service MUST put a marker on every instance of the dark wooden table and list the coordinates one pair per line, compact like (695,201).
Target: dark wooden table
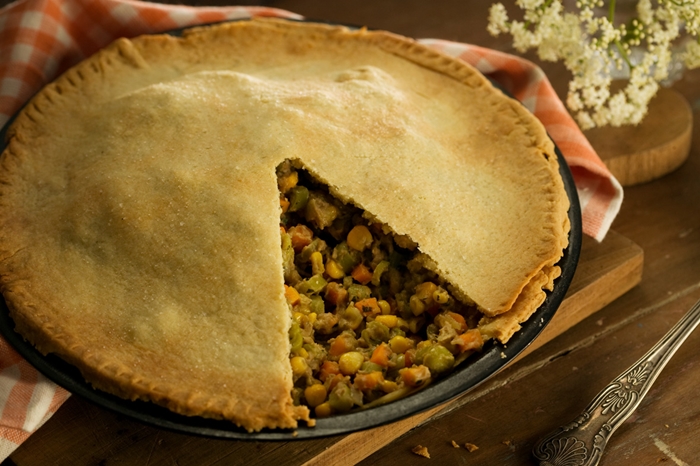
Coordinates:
(537,393)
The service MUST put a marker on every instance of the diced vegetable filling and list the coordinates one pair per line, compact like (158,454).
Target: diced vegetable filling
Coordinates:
(370,323)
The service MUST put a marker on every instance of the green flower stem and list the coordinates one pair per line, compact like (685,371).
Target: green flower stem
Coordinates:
(611,12)
(623,54)
(618,44)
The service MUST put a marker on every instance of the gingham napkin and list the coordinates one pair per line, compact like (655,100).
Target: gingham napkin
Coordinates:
(39,39)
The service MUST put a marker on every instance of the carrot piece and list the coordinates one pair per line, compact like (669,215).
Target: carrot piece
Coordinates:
(381,354)
(368,306)
(469,340)
(341,345)
(366,382)
(335,293)
(409,357)
(414,376)
(362,274)
(334,380)
(292,295)
(301,236)
(328,369)
(460,320)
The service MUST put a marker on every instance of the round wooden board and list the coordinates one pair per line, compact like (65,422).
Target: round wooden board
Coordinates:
(655,147)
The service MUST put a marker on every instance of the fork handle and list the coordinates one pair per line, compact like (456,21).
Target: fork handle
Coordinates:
(582,441)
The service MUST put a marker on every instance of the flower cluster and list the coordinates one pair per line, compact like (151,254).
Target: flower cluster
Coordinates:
(596,47)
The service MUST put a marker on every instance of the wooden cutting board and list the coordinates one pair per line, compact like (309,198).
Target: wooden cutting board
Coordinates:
(605,271)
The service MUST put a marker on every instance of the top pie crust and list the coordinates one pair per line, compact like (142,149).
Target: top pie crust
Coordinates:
(139,212)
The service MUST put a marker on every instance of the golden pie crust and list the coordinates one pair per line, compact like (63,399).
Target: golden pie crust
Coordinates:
(139,211)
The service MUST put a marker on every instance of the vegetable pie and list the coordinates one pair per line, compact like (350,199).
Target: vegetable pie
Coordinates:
(214,222)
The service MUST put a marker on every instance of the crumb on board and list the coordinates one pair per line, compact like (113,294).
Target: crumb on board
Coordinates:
(420,450)
(470,447)
(455,444)
(509,444)
(503,355)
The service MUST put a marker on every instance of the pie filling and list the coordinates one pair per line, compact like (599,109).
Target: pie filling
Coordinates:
(370,323)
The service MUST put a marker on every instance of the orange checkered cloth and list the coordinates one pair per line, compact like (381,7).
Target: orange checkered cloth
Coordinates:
(39,39)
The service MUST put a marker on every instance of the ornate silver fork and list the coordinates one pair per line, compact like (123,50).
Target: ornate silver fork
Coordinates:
(582,441)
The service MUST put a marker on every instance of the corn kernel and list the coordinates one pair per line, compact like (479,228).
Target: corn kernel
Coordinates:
(286,183)
(384,306)
(298,316)
(323,410)
(303,353)
(299,365)
(425,290)
(441,296)
(389,386)
(388,320)
(424,344)
(312,317)
(359,238)
(334,270)
(317,267)
(350,362)
(315,394)
(400,344)
(417,306)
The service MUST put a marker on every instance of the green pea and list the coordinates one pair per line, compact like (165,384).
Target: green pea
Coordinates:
(298,197)
(317,305)
(296,339)
(369,366)
(340,398)
(312,285)
(346,257)
(438,359)
(358,292)
(375,333)
(351,318)
(400,361)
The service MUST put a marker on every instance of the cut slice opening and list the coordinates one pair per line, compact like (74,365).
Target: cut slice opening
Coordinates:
(371,320)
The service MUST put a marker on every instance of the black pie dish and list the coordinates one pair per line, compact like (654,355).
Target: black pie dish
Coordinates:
(467,376)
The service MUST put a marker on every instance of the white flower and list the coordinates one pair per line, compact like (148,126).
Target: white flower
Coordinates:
(523,39)
(529,4)
(498,19)
(691,56)
(645,12)
(594,47)
(584,120)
